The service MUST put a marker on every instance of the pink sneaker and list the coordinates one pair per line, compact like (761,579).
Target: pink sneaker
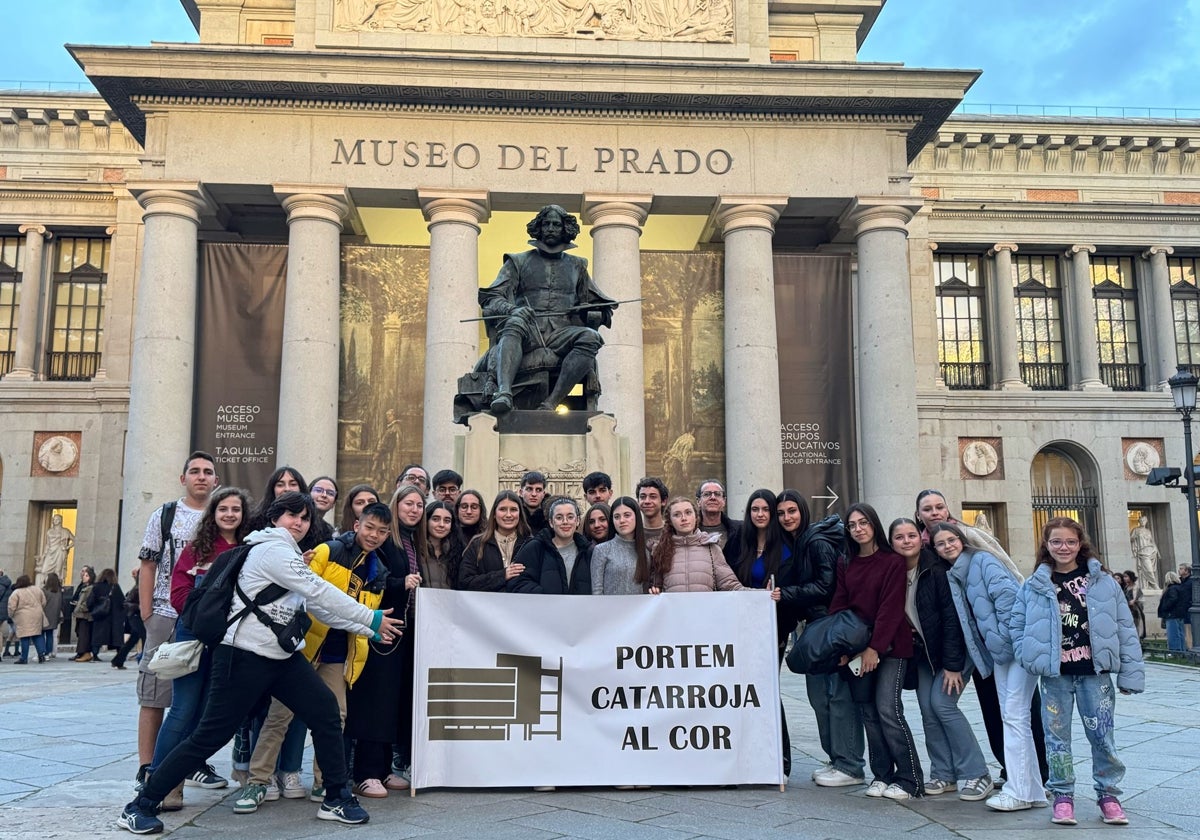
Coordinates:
(1064,811)
(371,788)
(1113,813)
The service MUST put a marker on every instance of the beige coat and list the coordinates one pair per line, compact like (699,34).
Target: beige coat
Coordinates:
(699,566)
(26,607)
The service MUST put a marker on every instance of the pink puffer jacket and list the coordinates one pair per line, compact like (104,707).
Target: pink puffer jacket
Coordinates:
(699,566)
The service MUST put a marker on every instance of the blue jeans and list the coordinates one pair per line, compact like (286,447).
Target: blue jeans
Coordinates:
(839,723)
(187,703)
(1096,698)
(954,754)
(37,643)
(1176,637)
(291,754)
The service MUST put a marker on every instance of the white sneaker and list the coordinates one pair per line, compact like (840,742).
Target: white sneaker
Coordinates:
(824,768)
(896,792)
(272,790)
(1007,802)
(834,777)
(291,787)
(876,788)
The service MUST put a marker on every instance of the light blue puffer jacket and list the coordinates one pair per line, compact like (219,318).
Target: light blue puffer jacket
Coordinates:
(985,589)
(1037,628)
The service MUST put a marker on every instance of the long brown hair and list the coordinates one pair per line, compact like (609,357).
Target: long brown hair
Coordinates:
(418,537)
(1086,551)
(664,552)
(208,530)
(489,530)
(348,515)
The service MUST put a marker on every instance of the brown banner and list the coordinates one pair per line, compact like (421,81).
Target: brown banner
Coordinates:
(385,290)
(816,379)
(683,331)
(239,344)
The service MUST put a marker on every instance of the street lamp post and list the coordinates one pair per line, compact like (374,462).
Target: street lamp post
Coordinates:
(1183,392)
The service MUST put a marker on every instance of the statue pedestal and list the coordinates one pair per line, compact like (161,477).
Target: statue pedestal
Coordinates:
(564,447)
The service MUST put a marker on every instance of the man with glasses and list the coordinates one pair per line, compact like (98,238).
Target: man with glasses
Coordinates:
(713,519)
(558,559)
(415,475)
(447,484)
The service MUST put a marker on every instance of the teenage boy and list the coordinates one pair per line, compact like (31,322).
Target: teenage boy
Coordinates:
(652,494)
(532,493)
(597,488)
(447,484)
(351,564)
(179,519)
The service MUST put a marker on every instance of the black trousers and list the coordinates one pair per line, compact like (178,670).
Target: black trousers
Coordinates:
(239,679)
(989,704)
(138,635)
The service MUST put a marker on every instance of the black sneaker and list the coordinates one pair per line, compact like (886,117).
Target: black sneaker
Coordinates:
(344,810)
(139,780)
(139,818)
(207,778)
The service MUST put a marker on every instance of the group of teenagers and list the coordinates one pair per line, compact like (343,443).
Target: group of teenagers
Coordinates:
(944,602)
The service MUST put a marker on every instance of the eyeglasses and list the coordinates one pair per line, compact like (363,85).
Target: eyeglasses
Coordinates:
(468,506)
(1063,543)
(712,494)
(414,478)
(565,517)
(321,491)
(947,542)
(858,524)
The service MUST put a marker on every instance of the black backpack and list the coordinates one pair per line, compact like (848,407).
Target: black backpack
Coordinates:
(206,610)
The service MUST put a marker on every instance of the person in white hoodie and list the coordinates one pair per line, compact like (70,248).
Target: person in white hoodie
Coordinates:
(250,662)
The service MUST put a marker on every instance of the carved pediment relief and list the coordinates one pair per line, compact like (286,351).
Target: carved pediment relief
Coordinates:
(706,21)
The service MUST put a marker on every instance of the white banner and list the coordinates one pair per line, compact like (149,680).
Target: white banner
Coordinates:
(531,690)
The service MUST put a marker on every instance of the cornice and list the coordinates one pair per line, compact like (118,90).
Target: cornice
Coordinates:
(123,75)
(1021,213)
(69,192)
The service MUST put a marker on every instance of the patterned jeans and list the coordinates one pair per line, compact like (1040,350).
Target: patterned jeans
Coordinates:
(1096,698)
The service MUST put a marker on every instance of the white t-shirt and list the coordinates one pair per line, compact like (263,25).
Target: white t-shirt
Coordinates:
(183,531)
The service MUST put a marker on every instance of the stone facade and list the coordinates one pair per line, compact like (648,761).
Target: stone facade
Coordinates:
(290,118)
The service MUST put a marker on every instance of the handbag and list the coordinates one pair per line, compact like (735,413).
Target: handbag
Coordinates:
(826,640)
(175,659)
(102,609)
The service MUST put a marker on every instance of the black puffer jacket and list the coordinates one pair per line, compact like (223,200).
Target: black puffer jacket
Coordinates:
(486,573)
(1176,601)
(545,572)
(812,577)
(945,647)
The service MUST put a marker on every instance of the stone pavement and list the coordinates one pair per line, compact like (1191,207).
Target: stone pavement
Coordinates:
(67,759)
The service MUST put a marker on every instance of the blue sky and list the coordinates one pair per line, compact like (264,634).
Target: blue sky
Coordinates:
(1103,53)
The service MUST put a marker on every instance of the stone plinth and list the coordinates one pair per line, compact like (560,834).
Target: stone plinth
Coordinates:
(563,447)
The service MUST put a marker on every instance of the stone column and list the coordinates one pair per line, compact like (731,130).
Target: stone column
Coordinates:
(1083,308)
(308,383)
(754,452)
(32,280)
(1162,316)
(1008,359)
(616,222)
(887,400)
(163,364)
(451,347)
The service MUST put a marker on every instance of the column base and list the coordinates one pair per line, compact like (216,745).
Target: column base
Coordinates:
(1012,385)
(1091,385)
(20,375)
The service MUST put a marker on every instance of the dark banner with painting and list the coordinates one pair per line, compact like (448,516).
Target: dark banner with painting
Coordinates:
(816,379)
(683,331)
(382,363)
(239,346)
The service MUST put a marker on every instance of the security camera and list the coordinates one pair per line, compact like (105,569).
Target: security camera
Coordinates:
(1164,477)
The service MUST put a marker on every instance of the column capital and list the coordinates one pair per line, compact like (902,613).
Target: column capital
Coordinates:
(311,201)
(186,199)
(747,212)
(466,207)
(616,210)
(36,229)
(1166,250)
(1011,247)
(881,212)
(1079,249)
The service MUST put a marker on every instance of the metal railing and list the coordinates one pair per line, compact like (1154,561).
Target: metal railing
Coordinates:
(1093,111)
(1122,377)
(967,376)
(71,366)
(1044,376)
